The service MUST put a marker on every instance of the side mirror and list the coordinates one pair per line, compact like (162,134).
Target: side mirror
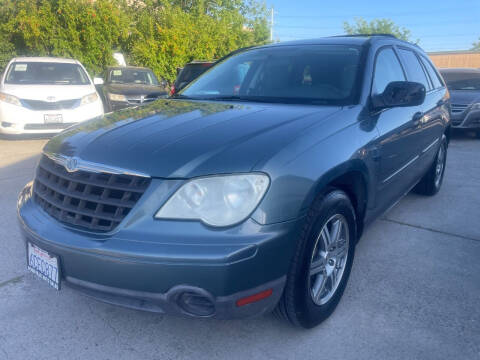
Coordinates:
(97,81)
(400,93)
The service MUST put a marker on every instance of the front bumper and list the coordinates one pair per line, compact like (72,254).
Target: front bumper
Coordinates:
(16,120)
(148,264)
(469,119)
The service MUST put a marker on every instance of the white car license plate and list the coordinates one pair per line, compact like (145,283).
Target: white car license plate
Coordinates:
(43,264)
(52,118)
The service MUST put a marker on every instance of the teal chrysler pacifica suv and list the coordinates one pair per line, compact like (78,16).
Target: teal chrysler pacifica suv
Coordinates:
(248,190)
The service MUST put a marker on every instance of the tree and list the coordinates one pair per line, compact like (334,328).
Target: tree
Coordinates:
(476,45)
(377,26)
(160,34)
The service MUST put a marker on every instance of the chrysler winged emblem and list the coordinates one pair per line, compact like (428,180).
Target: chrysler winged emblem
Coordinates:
(71,164)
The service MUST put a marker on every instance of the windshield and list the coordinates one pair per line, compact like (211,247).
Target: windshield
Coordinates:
(320,74)
(462,81)
(132,76)
(36,73)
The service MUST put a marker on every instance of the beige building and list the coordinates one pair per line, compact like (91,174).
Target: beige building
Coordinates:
(456,59)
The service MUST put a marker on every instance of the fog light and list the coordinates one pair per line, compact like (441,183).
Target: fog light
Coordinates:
(195,304)
(6,124)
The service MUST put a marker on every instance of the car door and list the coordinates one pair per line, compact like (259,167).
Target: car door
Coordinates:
(436,112)
(398,143)
(429,117)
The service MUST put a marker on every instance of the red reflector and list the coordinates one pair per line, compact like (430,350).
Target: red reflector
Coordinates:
(254,298)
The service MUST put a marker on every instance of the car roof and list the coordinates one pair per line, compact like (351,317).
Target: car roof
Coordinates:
(44,59)
(128,67)
(358,39)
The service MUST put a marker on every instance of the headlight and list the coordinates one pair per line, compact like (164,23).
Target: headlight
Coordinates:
(476,106)
(117,97)
(10,99)
(87,99)
(216,200)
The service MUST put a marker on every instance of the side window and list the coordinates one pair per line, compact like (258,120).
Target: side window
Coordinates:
(414,69)
(387,69)
(437,83)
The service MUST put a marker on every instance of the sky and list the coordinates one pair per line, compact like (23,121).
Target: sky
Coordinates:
(439,25)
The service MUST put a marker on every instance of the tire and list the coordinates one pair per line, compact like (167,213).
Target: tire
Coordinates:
(432,181)
(308,299)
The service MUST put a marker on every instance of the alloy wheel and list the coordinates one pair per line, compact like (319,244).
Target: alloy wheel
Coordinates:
(329,257)
(440,165)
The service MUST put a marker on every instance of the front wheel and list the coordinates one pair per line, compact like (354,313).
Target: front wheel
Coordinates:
(432,181)
(322,261)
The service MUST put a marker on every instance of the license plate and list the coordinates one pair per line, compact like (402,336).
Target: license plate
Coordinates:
(43,264)
(52,118)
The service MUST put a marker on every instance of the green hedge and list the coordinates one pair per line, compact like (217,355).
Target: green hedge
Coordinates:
(162,35)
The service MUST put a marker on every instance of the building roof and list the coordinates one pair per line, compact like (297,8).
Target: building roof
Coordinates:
(454,52)
(459,70)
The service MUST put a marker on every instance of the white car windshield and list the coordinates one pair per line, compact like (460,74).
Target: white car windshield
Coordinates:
(321,74)
(40,73)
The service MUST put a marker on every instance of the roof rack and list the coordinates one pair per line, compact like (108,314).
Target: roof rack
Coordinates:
(365,35)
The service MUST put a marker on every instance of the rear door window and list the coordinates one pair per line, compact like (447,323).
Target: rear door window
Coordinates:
(387,70)
(437,83)
(413,67)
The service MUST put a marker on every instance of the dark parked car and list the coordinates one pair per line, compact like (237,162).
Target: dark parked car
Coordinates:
(245,193)
(189,73)
(123,87)
(464,87)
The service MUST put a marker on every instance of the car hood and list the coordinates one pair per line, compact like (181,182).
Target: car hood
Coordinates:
(134,89)
(464,97)
(182,139)
(48,92)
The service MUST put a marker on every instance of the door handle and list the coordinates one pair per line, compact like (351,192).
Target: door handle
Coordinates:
(417,117)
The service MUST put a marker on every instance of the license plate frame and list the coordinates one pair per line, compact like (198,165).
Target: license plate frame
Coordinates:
(53,119)
(44,264)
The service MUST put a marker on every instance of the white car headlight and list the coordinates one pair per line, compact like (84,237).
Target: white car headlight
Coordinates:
(222,200)
(117,97)
(90,98)
(10,99)
(476,106)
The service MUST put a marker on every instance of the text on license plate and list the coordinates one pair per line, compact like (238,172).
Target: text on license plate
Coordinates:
(52,118)
(43,264)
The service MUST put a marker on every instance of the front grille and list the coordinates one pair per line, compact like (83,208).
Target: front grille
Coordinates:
(45,105)
(91,201)
(140,100)
(52,126)
(458,108)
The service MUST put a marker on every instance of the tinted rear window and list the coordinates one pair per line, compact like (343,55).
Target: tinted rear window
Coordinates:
(37,73)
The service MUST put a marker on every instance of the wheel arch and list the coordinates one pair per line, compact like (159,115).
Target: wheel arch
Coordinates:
(352,178)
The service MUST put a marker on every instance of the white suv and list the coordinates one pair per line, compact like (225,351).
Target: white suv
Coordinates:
(46,95)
